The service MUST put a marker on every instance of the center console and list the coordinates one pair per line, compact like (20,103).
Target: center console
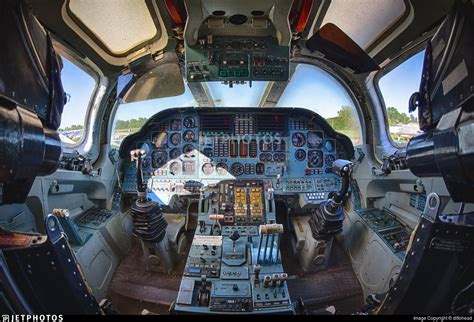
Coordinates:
(234,264)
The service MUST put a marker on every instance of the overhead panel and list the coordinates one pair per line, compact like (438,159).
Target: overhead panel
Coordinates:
(237,41)
(120,25)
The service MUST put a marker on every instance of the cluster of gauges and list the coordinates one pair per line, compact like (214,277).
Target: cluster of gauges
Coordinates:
(269,157)
(187,136)
(161,140)
(320,151)
(208,169)
(188,123)
(276,144)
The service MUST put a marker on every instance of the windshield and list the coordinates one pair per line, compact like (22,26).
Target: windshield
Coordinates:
(131,116)
(310,87)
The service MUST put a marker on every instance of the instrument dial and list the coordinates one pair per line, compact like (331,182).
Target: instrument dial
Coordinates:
(222,168)
(188,122)
(207,169)
(175,138)
(300,154)
(188,136)
(329,145)
(159,158)
(315,159)
(237,169)
(329,159)
(175,153)
(159,140)
(298,139)
(175,125)
(279,157)
(315,139)
(262,157)
(188,149)
(175,167)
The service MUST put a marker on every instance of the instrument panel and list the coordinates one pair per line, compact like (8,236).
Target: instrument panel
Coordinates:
(189,148)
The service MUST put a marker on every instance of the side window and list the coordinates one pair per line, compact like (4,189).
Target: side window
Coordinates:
(312,88)
(396,88)
(79,87)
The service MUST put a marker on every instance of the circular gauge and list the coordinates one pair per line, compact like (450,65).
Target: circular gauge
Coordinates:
(146,163)
(188,136)
(175,153)
(315,159)
(175,138)
(329,145)
(159,158)
(261,157)
(268,157)
(159,139)
(300,154)
(279,157)
(298,139)
(146,148)
(237,169)
(188,148)
(315,139)
(175,125)
(188,122)
(175,167)
(222,169)
(207,168)
(329,159)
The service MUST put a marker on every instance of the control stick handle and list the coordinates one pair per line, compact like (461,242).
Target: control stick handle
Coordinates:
(343,169)
(137,156)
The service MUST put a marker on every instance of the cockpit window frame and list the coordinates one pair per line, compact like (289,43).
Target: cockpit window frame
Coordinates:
(399,60)
(86,68)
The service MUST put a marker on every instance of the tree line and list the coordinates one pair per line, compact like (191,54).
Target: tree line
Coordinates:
(72,128)
(130,124)
(345,120)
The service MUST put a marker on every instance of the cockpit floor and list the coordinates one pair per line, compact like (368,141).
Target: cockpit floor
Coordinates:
(337,286)
(133,288)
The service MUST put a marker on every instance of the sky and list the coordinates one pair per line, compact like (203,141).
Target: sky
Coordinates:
(310,87)
(398,85)
(79,85)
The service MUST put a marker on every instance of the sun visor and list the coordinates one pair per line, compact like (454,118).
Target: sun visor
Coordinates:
(152,79)
(339,48)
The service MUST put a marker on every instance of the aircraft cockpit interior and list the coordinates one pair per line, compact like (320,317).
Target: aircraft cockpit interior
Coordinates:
(176,157)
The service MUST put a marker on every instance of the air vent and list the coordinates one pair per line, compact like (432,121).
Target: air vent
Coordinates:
(216,124)
(272,124)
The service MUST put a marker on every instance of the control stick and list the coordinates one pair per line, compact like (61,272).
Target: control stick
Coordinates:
(343,169)
(204,294)
(234,237)
(137,156)
(326,221)
(149,223)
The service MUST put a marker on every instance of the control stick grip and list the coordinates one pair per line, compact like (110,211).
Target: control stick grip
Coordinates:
(342,168)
